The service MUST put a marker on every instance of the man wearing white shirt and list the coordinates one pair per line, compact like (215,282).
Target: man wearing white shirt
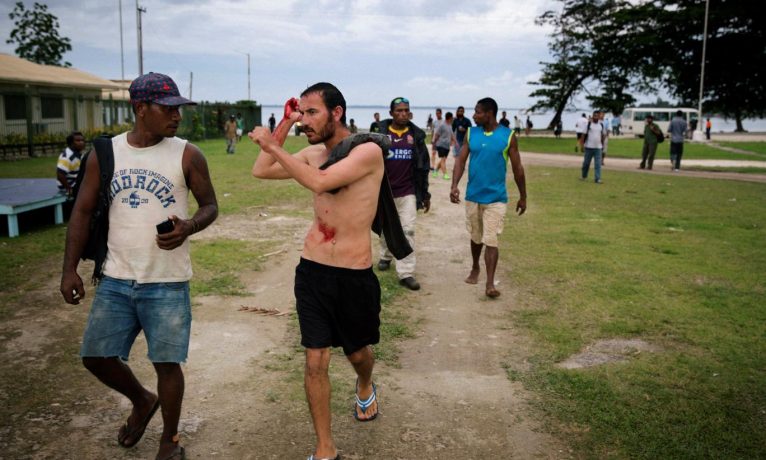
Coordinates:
(580,129)
(592,144)
(607,129)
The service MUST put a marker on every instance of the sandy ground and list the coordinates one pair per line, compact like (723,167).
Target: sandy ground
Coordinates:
(449,397)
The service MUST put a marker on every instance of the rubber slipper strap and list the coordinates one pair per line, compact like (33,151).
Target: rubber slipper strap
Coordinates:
(368,402)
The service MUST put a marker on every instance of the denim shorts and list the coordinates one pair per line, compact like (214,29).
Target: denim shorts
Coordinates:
(123,308)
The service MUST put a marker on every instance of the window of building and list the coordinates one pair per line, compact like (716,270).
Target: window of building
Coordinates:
(15,107)
(51,107)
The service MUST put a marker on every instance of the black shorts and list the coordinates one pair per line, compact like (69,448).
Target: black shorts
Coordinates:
(337,307)
(579,135)
(442,152)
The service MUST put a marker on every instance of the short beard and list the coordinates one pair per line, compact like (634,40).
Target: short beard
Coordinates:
(325,133)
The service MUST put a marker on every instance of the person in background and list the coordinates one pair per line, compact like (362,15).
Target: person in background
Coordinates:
(272,123)
(374,126)
(240,126)
(443,140)
(580,125)
(352,128)
(460,126)
(592,145)
(437,122)
(517,125)
(607,129)
(558,129)
(651,131)
(708,127)
(528,127)
(230,133)
(504,121)
(407,166)
(68,164)
(677,132)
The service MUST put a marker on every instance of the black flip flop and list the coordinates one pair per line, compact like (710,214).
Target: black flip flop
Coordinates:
(137,432)
(179,453)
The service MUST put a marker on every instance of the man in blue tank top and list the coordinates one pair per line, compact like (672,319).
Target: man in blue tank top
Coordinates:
(489,145)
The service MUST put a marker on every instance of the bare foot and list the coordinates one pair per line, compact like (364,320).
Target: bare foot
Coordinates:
(492,292)
(473,277)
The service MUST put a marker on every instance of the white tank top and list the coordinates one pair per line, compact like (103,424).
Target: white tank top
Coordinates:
(148,186)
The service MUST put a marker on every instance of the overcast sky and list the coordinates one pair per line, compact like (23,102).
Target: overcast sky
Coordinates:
(433,52)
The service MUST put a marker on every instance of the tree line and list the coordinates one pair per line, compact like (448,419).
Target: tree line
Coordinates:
(626,47)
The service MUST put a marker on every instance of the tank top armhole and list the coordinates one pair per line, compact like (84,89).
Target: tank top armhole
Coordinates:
(507,149)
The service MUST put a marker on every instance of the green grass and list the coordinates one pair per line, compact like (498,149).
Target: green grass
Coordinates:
(755,147)
(625,147)
(218,263)
(678,262)
(741,170)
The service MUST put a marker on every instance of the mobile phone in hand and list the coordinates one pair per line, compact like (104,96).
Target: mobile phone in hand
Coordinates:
(165,227)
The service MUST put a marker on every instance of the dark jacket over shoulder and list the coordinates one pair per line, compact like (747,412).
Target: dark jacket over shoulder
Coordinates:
(421,161)
(386,218)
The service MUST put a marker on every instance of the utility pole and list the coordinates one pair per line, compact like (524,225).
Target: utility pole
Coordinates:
(697,135)
(122,47)
(248,76)
(191,79)
(140,10)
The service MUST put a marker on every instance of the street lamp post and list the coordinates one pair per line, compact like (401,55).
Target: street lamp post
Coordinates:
(248,76)
(698,135)
(140,10)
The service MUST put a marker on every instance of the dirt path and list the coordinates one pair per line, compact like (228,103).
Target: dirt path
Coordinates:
(451,397)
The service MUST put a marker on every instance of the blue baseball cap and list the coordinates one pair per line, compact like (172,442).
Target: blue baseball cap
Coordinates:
(157,89)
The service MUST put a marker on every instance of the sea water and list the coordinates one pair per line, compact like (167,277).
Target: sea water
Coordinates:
(363,116)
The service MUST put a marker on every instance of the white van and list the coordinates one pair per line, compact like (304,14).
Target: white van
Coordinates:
(633,118)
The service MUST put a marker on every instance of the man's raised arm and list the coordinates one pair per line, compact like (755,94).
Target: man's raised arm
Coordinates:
(362,160)
(266,167)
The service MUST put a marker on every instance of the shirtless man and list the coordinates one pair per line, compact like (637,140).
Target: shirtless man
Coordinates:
(337,293)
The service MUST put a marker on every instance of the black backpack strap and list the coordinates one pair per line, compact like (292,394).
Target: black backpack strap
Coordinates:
(105,154)
(100,224)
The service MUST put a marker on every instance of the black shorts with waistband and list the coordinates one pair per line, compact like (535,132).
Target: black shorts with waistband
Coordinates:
(336,306)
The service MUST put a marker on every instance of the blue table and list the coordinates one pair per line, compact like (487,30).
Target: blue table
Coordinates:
(20,195)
